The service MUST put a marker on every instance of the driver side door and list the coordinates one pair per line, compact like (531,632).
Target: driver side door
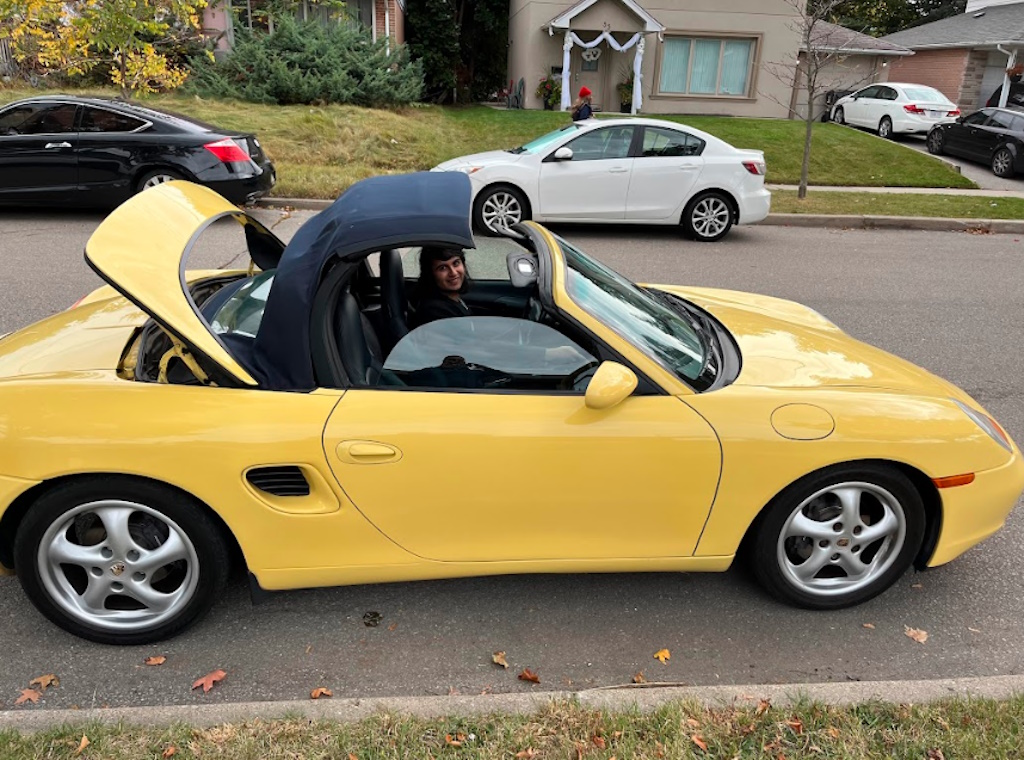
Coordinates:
(594,183)
(486,451)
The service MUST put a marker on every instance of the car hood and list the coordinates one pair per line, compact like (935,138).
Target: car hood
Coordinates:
(141,250)
(488,158)
(784,344)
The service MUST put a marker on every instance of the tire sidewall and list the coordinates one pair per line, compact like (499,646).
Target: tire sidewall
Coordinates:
(1009,170)
(840,117)
(885,132)
(687,220)
(188,515)
(763,550)
(487,193)
(935,142)
(140,184)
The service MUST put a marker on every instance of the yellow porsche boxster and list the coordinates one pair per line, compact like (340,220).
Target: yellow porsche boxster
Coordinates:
(305,417)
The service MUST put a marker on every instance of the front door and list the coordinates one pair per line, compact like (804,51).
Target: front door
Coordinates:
(594,183)
(588,71)
(483,449)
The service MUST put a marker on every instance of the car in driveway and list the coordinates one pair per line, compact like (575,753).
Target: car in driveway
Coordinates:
(288,416)
(992,136)
(895,108)
(644,171)
(97,152)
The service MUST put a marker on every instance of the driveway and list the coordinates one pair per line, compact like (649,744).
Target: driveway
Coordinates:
(980,174)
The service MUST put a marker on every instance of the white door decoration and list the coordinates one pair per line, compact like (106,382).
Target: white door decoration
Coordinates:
(605,36)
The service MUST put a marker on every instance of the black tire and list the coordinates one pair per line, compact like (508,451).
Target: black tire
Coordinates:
(885,128)
(1002,163)
(936,142)
(708,217)
(840,115)
(884,500)
(499,203)
(163,570)
(156,177)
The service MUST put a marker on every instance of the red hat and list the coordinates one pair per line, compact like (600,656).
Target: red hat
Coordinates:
(585,92)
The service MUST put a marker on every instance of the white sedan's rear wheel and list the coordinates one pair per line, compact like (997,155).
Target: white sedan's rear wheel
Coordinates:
(120,561)
(708,217)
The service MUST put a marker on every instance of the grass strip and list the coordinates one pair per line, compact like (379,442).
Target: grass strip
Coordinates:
(977,729)
(898,204)
(321,150)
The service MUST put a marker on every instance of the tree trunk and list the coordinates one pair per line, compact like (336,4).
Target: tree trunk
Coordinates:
(806,166)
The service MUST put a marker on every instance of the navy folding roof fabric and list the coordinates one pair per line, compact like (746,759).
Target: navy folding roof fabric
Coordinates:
(427,208)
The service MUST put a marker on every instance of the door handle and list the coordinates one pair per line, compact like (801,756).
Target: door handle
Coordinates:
(50,146)
(687,168)
(367,452)
(618,170)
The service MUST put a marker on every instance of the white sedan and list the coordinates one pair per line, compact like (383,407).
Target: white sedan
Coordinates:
(895,108)
(619,170)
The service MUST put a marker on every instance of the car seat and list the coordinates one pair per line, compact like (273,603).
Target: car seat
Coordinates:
(357,343)
(393,301)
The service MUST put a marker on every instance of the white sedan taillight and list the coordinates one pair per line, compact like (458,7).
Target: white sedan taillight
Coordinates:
(755,167)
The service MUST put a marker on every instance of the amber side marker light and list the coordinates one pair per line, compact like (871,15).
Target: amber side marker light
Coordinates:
(954,480)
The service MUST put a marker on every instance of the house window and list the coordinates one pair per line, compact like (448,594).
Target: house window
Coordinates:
(706,66)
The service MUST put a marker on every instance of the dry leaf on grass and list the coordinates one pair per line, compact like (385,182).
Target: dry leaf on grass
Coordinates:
(320,691)
(82,745)
(158,659)
(763,706)
(833,732)
(662,656)
(45,681)
(639,678)
(527,754)
(936,754)
(169,752)
(916,634)
(599,742)
(209,680)
(529,675)
(699,741)
(28,695)
(455,741)
(498,658)
(693,722)
(796,724)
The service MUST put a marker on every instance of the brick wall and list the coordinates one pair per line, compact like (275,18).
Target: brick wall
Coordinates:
(971,98)
(395,25)
(942,69)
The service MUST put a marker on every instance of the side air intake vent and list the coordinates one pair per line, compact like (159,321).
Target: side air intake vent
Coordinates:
(279,481)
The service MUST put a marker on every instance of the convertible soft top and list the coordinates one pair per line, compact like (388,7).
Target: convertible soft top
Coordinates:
(426,208)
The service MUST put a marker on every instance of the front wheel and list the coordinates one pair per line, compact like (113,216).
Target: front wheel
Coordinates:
(498,208)
(119,561)
(838,538)
(936,142)
(708,217)
(885,128)
(1002,163)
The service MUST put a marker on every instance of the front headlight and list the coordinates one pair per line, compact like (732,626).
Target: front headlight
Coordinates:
(987,424)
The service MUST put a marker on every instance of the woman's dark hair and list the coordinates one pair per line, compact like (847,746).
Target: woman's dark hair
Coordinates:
(426,285)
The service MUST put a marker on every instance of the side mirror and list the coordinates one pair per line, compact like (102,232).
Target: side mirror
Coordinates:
(960,119)
(610,386)
(563,154)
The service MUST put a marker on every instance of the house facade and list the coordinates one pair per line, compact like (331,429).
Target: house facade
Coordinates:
(726,57)
(966,56)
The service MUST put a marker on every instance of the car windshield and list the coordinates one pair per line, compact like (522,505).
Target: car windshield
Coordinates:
(544,140)
(242,312)
(638,316)
(925,93)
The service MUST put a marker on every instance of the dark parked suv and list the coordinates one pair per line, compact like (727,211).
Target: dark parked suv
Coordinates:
(993,136)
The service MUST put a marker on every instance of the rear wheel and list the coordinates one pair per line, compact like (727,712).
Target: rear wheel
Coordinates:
(154,178)
(120,561)
(708,217)
(885,128)
(1002,163)
(498,208)
(840,537)
(936,142)
(840,116)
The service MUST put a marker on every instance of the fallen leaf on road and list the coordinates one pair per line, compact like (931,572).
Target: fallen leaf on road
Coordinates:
(44,681)
(82,745)
(916,634)
(663,656)
(699,741)
(870,626)
(209,680)
(973,630)
(916,585)
(529,675)
(372,619)
(28,695)
(169,752)
(639,678)
(393,626)
(156,660)
(498,658)
(320,691)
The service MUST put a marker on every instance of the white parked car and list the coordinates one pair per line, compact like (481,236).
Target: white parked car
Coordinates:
(895,108)
(619,170)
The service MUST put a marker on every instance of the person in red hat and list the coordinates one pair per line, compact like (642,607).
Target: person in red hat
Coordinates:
(582,109)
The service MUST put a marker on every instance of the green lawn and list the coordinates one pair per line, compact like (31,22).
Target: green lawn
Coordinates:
(321,150)
(978,729)
(898,204)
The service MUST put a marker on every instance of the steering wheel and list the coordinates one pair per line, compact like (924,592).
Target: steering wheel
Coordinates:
(580,378)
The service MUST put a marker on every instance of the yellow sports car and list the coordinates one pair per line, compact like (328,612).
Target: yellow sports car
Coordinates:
(317,418)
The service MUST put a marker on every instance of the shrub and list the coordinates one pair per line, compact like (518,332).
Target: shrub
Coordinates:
(310,62)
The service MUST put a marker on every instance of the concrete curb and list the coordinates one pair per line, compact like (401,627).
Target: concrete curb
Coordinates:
(867,222)
(647,697)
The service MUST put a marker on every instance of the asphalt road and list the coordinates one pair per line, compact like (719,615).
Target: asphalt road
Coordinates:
(952,302)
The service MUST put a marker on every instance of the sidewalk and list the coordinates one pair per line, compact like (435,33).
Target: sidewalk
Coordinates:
(904,190)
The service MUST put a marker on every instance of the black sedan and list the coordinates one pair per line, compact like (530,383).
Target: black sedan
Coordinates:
(993,136)
(98,152)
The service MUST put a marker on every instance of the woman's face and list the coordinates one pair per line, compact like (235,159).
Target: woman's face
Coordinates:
(449,274)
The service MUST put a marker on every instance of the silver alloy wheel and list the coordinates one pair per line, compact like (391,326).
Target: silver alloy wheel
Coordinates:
(118,566)
(841,539)
(885,128)
(1002,163)
(501,209)
(840,115)
(157,179)
(710,217)
(935,142)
